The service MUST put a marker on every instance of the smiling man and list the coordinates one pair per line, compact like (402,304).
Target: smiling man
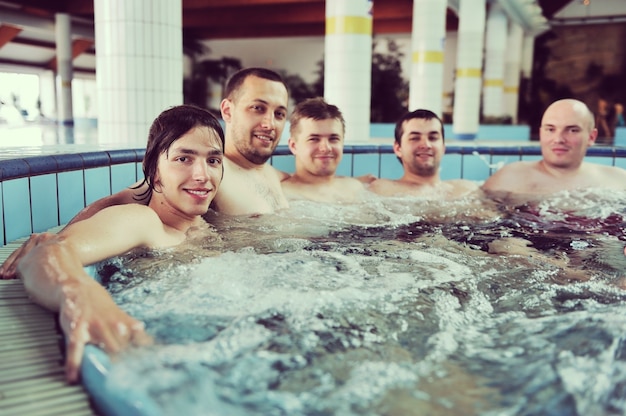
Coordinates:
(255,112)
(419,146)
(183,171)
(567,131)
(316,141)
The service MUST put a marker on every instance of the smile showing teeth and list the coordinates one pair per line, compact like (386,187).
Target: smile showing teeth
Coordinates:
(264,138)
(201,193)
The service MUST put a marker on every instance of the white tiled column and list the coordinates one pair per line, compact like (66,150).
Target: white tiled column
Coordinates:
(427,43)
(528,50)
(495,46)
(139,66)
(513,69)
(348,63)
(63,38)
(466,112)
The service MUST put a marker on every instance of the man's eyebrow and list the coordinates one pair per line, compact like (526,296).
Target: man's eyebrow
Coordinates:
(262,101)
(427,133)
(569,126)
(213,152)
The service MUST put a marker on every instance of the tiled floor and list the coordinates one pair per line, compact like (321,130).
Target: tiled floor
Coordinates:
(32,380)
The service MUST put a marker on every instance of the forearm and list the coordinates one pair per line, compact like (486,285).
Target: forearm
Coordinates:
(52,273)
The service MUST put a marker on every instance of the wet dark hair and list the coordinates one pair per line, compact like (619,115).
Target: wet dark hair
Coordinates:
(421,114)
(237,79)
(317,109)
(168,127)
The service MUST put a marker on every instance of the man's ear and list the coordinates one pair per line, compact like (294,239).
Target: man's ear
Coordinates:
(292,145)
(226,109)
(396,149)
(593,136)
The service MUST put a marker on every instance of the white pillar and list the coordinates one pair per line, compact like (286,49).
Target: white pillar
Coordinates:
(495,46)
(449,71)
(139,66)
(47,94)
(513,69)
(348,63)
(427,44)
(63,37)
(466,112)
(528,50)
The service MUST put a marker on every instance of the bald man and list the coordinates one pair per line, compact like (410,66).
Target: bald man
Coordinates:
(567,131)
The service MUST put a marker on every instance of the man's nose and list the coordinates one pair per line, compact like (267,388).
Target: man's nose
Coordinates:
(324,145)
(200,170)
(269,120)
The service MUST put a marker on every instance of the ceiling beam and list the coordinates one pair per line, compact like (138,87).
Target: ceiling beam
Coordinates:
(265,15)
(204,4)
(251,31)
(79,46)
(8,33)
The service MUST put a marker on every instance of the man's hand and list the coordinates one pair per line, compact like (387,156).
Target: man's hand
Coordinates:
(367,178)
(90,316)
(8,270)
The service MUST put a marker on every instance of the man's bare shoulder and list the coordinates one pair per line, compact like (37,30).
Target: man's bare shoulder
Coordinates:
(461,187)
(612,177)
(385,187)
(348,181)
(510,175)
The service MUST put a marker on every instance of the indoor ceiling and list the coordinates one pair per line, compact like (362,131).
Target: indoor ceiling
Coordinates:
(27,27)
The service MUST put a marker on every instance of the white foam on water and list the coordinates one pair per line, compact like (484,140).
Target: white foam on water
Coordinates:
(290,320)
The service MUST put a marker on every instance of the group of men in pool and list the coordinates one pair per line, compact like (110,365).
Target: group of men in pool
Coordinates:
(187,160)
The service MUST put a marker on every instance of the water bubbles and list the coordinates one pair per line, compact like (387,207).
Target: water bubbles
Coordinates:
(338,310)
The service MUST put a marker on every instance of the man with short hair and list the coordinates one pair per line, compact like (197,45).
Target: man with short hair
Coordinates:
(419,146)
(255,112)
(317,138)
(567,131)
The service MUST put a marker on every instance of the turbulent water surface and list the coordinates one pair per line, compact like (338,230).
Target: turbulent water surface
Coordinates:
(393,307)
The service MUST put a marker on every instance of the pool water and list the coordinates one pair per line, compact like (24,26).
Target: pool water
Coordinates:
(393,307)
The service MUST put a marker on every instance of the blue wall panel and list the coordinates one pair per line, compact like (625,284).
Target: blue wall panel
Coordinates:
(476,167)
(97,184)
(285,163)
(364,164)
(451,166)
(71,194)
(139,169)
(43,194)
(345,166)
(17,213)
(390,167)
(122,176)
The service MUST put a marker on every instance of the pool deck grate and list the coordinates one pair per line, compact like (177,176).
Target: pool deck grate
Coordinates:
(32,379)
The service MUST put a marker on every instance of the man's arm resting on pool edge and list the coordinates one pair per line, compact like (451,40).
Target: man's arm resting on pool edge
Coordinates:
(54,276)
(126,196)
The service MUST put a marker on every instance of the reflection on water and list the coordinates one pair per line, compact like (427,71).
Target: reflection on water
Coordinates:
(320,310)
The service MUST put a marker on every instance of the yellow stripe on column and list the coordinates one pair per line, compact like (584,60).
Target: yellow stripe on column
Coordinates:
(434,57)
(511,90)
(493,83)
(468,73)
(349,25)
